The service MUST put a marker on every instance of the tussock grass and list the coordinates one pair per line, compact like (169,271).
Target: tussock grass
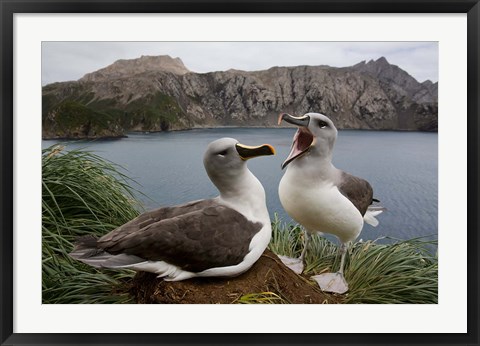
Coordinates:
(401,272)
(261,298)
(81,194)
(287,239)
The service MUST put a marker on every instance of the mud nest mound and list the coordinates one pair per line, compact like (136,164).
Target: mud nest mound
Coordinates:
(268,274)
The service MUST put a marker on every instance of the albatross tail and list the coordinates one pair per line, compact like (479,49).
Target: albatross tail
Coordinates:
(373,211)
(87,251)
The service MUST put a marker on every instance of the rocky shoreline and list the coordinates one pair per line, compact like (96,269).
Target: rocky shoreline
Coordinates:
(206,128)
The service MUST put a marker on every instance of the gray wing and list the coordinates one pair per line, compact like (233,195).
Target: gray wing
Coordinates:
(213,236)
(357,190)
(156,215)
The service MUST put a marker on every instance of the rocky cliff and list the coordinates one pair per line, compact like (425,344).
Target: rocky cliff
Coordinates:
(160,93)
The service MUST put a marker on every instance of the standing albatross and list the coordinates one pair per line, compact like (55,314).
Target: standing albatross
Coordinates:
(223,236)
(321,197)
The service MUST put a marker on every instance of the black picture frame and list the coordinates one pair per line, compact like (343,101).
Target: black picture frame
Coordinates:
(10,7)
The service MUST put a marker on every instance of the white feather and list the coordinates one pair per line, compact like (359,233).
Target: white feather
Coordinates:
(369,217)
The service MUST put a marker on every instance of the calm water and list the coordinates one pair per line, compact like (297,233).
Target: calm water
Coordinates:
(401,167)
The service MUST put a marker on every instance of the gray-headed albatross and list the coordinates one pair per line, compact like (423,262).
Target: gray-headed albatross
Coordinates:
(223,236)
(321,197)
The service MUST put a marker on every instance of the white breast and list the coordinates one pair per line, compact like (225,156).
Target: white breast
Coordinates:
(320,207)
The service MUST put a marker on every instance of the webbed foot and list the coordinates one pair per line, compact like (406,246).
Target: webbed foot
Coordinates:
(295,264)
(332,282)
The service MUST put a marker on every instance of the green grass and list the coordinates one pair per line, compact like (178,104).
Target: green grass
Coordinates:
(400,272)
(81,194)
(153,110)
(261,298)
(73,119)
(85,194)
(80,114)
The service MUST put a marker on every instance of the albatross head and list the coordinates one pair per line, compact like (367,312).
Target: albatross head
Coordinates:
(316,134)
(225,160)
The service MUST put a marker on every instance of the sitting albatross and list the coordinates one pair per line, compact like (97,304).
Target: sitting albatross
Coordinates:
(223,236)
(321,197)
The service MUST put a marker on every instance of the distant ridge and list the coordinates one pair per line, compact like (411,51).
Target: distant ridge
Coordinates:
(126,68)
(392,75)
(158,93)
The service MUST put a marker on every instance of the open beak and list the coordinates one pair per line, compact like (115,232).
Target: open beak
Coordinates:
(247,152)
(303,139)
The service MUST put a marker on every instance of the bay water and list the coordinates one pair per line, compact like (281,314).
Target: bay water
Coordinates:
(402,168)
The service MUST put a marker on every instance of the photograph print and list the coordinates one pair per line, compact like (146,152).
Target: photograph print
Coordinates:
(239,172)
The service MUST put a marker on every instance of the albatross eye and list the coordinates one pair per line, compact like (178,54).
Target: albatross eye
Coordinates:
(223,153)
(322,124)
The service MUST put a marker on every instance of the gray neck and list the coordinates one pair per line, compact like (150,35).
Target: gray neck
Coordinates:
(242,185)
(313,165)
(247,196)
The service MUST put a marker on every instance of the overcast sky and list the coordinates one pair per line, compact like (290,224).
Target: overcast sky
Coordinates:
(65,61)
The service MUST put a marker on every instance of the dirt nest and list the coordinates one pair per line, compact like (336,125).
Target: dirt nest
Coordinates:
(268,274)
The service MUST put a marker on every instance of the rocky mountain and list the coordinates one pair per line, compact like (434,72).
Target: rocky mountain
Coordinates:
(144,64)
(160,93)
